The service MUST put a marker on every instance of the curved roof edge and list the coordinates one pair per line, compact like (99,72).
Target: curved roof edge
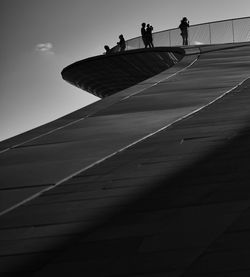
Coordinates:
(104,75)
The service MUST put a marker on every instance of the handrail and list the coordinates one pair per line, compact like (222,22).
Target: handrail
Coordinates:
(215,32)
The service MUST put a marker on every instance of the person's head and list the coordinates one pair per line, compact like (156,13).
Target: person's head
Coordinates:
(148,25)
(143,25)
(120,36)
(106,47)
(184,19)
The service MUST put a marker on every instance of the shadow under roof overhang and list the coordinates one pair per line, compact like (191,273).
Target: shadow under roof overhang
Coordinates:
(104,75)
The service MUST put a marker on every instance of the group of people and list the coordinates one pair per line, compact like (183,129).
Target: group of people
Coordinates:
(121,44)
(147,37)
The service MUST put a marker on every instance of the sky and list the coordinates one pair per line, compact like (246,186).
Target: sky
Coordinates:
(40,38)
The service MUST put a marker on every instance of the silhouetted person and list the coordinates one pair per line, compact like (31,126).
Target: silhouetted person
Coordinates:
(121,43)
(144,35)
(149,36)
(184,30)
(108,50)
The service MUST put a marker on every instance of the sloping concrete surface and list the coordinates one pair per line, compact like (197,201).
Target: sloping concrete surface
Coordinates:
(152,181)
(45,159)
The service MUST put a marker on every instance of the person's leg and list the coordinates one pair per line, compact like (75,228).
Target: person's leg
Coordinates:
(151,42)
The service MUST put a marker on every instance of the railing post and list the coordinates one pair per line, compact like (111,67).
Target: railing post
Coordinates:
(210,37)
(233,30)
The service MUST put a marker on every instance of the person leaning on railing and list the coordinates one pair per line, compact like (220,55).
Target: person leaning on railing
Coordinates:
(121,43)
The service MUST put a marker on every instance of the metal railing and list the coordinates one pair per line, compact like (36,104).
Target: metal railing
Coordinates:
(225,31)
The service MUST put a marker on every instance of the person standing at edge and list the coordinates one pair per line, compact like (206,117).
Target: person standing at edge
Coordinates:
(144,35)
(149,35)
(184,30)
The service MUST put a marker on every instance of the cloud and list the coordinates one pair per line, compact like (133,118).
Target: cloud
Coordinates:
(45,48)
